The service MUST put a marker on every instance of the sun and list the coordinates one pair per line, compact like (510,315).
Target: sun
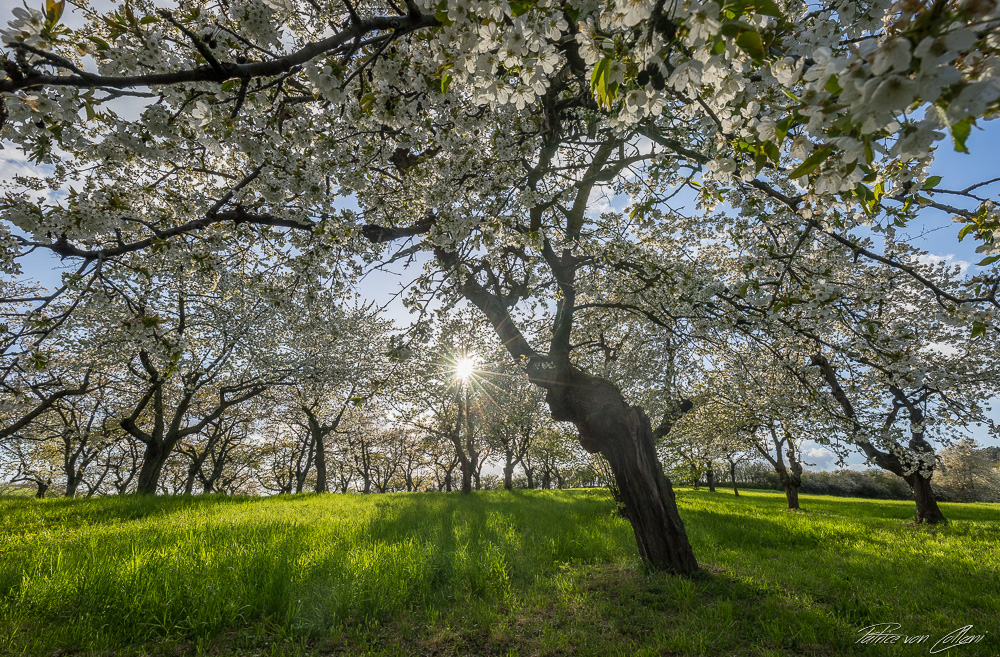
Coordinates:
(465,367)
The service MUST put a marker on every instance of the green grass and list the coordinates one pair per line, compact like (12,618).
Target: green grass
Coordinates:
(522,573)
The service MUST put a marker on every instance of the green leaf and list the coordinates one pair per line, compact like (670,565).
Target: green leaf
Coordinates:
(599,83)
(39,361)
(732,29)
(518,7)
(751,43)
(978,329)
(99,42)
(772,151)
(811,162)
(833,85)
(445,82)
(989,260)
(54,10)
(767,8)
(229,85)
(931,182)
(367,103)
(959,133)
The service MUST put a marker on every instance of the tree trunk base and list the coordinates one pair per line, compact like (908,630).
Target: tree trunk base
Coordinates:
(927,507)
(792,495)
(648,499)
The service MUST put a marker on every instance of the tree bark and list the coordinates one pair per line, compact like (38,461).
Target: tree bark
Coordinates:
(622,433)
(466,476)
(189,481)
(927,507)
(791,494)
(710,477)
(508,476)
(153,460)
(321,482)
(732,475)
(73,484)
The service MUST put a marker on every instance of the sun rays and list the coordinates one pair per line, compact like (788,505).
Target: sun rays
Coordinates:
(465,367)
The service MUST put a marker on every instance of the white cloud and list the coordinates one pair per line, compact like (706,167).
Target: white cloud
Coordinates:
(818,453)
(818,457)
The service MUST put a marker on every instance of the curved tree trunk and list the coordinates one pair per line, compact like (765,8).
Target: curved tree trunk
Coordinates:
(623,435)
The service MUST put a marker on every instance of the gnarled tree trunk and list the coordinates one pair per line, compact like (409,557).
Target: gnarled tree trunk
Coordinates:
(623,435)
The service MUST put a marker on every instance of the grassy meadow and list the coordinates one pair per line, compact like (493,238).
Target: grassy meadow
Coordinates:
(500,573)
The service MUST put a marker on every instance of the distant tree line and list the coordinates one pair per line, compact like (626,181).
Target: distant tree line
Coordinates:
(967,473)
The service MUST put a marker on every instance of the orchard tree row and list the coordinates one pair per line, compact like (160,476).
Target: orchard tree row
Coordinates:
(218,175)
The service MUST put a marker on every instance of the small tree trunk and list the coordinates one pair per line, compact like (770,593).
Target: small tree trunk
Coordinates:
(927,507)
(73,477)
(189,482)
(153,460)
(72,485)
(466,476)
(43,487)
(732,475)
(791,494)
(508,476)
(710,478)
(321,483)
